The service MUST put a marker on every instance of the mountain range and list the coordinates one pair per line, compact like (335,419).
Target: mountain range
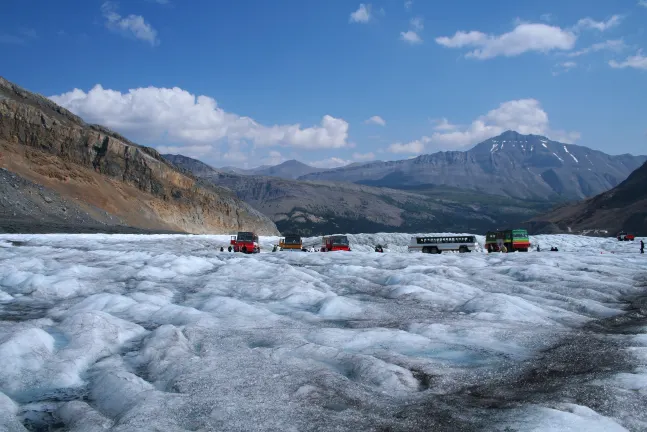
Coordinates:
(60,174)
(511,164)
(503,181)
(319,207)
(64,175)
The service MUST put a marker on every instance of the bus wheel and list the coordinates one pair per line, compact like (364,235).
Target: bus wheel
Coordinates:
(425,250)
(462,249)
(244,249)
(435,250)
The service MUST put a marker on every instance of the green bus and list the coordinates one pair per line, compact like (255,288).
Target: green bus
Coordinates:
(513,240)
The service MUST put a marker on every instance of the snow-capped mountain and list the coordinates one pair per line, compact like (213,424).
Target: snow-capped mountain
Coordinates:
(511,164)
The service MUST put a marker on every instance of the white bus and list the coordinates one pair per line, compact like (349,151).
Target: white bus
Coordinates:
(436,245)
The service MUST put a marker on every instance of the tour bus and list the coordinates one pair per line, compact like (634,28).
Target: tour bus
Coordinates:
(245,242)
(335,243)
(440,244)
(513,240)
(290,243)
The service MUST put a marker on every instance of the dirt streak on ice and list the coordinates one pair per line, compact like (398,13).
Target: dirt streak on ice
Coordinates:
(112,331)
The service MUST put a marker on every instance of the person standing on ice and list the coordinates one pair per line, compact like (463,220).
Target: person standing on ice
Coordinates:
(642,247)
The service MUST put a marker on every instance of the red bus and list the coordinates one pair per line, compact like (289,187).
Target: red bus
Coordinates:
(335,243)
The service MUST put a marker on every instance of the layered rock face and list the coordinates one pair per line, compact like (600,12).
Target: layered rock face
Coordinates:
(48,145)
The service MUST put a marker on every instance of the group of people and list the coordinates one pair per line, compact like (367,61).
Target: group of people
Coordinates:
(229,249)
(552,249)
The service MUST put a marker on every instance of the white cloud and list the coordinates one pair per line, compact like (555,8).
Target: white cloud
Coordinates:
(332,162)
(611,45)
(362,14)
(524,38)
(132,25)
(417,24)
(376,120)
(411,37)
(417,146)
(638,61)
(642,3)
(546,17)
(525,116)
(564,67)
(362,157)
(194,151)
(172,115)
(409,3)
(589,23)
(442,124)
(273,158)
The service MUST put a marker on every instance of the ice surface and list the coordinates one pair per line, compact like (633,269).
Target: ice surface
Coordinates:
(133,332)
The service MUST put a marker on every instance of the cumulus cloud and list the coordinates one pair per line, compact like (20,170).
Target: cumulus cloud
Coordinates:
(273,158)
(417,146)
(132,25)
(589,23)
(409,3)
(642,3)
(411,37)
(525,116)
(376,120)
(638,61)
(361,15)
(172,115)
(525,37)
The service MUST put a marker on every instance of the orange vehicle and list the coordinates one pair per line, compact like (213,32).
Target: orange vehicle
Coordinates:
(245,242)
(335,243)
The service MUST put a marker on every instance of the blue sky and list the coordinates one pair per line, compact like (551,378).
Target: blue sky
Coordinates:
(253,82)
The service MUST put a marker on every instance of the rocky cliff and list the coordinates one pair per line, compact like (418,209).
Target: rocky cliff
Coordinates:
(98,168)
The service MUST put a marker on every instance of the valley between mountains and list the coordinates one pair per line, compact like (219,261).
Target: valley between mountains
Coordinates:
(60,174)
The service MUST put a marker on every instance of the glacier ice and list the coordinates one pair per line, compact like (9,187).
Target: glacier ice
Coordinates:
(129,332)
